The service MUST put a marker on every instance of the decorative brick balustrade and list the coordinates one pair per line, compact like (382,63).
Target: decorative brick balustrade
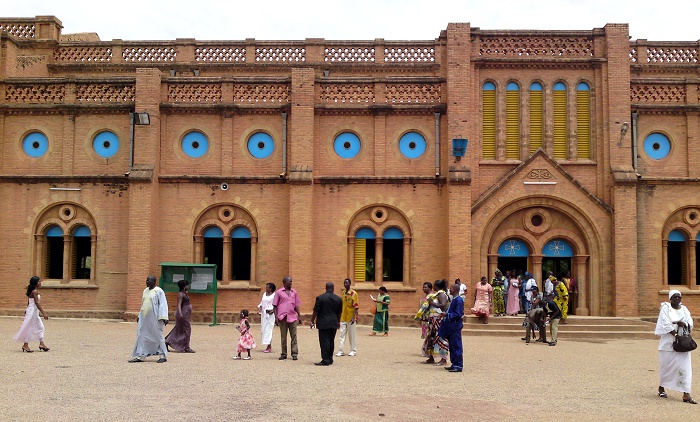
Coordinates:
(533,45)
(664,53)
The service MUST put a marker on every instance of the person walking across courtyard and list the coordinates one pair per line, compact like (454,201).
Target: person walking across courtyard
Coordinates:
(286,308)
(152,319)
(327,310)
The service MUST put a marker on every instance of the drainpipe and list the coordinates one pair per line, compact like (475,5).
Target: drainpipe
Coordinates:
(284,146)
(635,116)
(437,144)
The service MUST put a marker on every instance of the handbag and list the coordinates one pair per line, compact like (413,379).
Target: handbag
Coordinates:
(374,310)
(684,342)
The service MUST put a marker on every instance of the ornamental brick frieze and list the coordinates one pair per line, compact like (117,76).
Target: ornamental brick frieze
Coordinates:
(86,54)
(261,93)
(349,54)
(221,54)
(413,93)
(105,93)
(35,93)
(146,54)
(561,64)
(19,30)
(657,93)
(347,93)
(540,174)
(531,46)
(24,62)
(280,54)
(194,93)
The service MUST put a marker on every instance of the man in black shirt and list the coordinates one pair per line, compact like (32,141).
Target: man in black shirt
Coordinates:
(327,309)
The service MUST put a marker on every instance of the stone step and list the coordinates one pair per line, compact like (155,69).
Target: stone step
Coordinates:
(568,327)
(572,320)
(593,335)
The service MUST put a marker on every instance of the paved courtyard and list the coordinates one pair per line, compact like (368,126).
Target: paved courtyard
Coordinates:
(86,376)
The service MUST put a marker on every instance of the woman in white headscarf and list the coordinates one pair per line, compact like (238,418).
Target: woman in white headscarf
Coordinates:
(675,370)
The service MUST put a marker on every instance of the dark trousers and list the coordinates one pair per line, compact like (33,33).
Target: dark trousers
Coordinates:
(455,344)
(326,338)
(292,328)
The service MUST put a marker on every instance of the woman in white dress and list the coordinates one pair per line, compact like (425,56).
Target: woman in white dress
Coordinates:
(32,328)
(675,370)
(267,316)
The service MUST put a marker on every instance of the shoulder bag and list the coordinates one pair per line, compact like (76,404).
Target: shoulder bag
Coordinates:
(684,342)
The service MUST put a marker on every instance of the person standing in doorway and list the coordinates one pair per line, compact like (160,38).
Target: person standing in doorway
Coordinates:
(348,319)
(327,310)
(152,319)
(286,308)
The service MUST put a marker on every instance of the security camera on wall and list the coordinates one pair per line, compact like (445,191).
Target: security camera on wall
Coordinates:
(223,186)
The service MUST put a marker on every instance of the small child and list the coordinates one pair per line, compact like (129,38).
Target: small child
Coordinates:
(246,341)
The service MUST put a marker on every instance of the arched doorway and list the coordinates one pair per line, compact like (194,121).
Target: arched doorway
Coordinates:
(513,255)
(557,254)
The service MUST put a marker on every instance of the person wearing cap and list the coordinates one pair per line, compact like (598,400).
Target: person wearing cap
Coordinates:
(675,369)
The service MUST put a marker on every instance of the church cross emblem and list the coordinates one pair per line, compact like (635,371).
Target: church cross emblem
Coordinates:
(512,247)
(557,247)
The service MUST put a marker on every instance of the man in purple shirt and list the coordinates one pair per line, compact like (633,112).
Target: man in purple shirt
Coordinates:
(286,307)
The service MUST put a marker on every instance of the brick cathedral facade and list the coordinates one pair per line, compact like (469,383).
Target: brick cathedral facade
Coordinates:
(331,159)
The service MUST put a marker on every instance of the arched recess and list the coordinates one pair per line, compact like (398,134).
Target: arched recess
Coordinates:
(680,256)
(234,250)
(69,256)
(559,218)
(386,257)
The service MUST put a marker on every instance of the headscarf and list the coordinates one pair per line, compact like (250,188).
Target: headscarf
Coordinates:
(673,292)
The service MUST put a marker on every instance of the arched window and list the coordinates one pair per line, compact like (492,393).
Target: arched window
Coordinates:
(214,249)
(560,121)
(65,244)
(392,267)
(583,120)
(240,253)
(512,121)
(81,259)
(54,253)
(536,117)
(379,245)
(226,235)
(677,261)
(488,125)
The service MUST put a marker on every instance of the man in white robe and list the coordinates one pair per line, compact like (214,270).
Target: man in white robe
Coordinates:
(152,319)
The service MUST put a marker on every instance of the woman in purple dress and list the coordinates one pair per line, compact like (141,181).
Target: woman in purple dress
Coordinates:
(179,337)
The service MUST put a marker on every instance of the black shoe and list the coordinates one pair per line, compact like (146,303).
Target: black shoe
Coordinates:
(294,358)
(322,363)
(283,357)
(161,360)
(552,343)
(447,368)
(454,370)
(135,360)
(523,338)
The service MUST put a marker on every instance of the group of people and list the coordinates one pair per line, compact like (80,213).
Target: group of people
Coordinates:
(440,313)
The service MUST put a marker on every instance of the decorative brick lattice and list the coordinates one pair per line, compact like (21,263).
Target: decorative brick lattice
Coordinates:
(220,54)
(19,30)
(538,174)
(536,47)
(672,55)
(409,54)
(261,93)
(349,54)
(657,93)
(194,93)
(633,55)
(149,54)
(280,54)
(35,94)
(412,93)
(104,93)
(83,54)
(355,93)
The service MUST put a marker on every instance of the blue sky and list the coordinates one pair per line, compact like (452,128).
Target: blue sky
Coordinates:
(669,20)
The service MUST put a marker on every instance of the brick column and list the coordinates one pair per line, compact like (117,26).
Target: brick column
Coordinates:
(582,283)
(143,253)
(464,101)
(625,251)
(351,258)
(68,144)
(300,164)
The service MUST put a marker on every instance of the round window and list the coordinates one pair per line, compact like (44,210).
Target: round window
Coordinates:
(657,146)
(195,144)
(347,145)
(261,145)
(412,145)
(35,144)
(106,144)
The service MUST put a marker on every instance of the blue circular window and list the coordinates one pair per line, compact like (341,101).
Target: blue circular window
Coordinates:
(106,144)
(261,145)
(195,144)
(412,145)
(347,145)
(657,146)
(35,144)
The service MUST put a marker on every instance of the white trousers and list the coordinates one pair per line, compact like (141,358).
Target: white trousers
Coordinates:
(349,330)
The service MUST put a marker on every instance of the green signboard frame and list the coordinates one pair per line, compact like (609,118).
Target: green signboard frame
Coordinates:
(202,278)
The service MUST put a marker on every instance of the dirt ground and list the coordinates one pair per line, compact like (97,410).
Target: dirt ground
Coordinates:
(86,376)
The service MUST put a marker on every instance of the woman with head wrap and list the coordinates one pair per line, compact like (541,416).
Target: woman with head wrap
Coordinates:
(675,369)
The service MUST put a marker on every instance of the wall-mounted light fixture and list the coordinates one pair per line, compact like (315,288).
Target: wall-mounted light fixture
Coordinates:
(459,148)
(140,119)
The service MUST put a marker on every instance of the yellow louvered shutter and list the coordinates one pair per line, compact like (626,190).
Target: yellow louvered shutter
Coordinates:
(360,259)
(583,123)
(512,125)
(489,125)
(560,125)
(536,120)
